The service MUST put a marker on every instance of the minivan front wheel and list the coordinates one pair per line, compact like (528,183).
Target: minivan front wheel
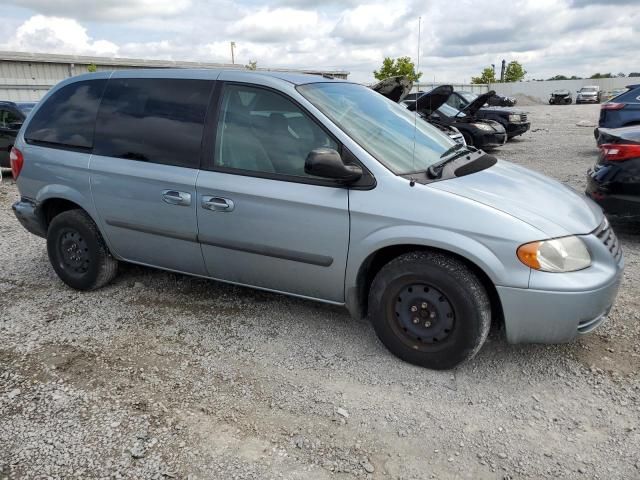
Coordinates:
(78,252)
(430,309)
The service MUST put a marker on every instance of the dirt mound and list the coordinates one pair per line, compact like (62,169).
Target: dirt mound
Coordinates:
(526,100)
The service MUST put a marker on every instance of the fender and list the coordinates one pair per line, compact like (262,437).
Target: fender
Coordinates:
(425,236)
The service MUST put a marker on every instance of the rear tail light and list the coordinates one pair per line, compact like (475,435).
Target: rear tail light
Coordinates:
(17,161)
(612,106)
(619,152)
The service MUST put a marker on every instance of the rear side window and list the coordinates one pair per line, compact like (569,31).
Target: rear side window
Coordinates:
(153,120)
(68,117)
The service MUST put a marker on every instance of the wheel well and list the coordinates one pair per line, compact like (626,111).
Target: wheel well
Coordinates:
(374,263)
(54,207)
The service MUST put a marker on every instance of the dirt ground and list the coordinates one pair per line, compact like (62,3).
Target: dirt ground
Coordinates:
(165,376)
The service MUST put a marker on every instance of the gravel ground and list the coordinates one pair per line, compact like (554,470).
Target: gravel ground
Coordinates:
(165,376)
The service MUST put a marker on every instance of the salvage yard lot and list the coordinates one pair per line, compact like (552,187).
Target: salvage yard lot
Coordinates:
(161,375)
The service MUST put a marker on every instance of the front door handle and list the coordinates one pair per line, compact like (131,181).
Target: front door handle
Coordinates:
(217,204)
(173,197)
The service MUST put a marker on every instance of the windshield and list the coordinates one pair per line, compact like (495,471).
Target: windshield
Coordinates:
(468,96)
(588,90)
(383,128)
(449,111)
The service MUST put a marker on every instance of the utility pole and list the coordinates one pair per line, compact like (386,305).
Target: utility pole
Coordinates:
(504,65)
(233,60)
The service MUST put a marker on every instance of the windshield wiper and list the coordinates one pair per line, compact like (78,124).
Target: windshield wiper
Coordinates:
(435,170)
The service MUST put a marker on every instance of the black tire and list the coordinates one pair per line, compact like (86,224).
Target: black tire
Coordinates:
(78,252)
(457,315)
(551,102)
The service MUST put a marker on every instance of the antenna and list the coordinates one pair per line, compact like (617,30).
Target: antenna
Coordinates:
(415,110)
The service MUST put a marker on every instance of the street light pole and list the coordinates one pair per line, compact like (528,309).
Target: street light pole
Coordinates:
(233,44)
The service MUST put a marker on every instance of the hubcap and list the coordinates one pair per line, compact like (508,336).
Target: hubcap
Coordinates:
(74,251)
(424,315)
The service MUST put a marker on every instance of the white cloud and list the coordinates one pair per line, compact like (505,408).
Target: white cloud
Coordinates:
(109,10)
(277,25)
(57,35)
(459,37)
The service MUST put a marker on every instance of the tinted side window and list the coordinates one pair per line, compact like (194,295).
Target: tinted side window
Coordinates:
(153,120)
(68,117)
(263,131)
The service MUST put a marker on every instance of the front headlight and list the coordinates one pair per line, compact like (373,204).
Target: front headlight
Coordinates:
(566,254)
(483,126)
(514,117)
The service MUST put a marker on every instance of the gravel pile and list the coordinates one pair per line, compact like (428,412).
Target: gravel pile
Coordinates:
(165,376)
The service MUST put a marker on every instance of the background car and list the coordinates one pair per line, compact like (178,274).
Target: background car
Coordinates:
(433,108)
(398,89)
(560,97)
(12,115)
(514,121)
(501,101)
(589,94)
(621,111)
(614,181)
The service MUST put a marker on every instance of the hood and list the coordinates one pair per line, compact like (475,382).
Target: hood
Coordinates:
(548,205)
(394,88)
(478,103)
(431,101)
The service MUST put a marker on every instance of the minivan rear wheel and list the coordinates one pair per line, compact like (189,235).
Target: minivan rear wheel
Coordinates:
(78,252)
(430,309)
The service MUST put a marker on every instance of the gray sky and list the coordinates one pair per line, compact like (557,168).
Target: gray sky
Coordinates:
(459,37)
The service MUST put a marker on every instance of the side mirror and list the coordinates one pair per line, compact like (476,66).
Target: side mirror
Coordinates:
(327,163)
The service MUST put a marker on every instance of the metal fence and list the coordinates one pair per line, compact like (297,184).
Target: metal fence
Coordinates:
(28,76)
(477,88)
(540,91)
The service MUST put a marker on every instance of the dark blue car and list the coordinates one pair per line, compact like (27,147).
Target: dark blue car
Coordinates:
(620,111)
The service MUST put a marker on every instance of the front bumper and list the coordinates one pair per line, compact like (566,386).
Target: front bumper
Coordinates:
(559,306)
(493,140)
(539,316)
(29,215)
(587,100)
(515,129)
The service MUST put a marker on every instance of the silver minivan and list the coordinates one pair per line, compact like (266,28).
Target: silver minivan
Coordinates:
(317,188)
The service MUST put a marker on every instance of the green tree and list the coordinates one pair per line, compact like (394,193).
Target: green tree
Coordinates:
(400,66)
(487,76)
(573,77)
(252,65)
(92,68)
(601,75)
(558,77)
(514,72)
(634,74)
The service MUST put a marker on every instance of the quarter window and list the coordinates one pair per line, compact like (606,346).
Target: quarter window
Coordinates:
(263,131)
(68,117)
(153,120)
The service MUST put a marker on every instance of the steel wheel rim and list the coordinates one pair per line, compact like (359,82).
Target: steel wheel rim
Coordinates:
(423,316)
(73,251)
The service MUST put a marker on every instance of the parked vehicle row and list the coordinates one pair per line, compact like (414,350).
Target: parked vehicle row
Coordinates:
(514,121)
(317,188)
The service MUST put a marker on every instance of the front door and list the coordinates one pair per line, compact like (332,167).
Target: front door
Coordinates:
(262,220)
(144,168)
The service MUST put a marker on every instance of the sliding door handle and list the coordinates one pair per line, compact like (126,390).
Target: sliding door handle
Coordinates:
(173,197)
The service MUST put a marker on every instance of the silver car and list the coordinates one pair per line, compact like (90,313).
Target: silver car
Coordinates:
(589,94)
(317,188)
